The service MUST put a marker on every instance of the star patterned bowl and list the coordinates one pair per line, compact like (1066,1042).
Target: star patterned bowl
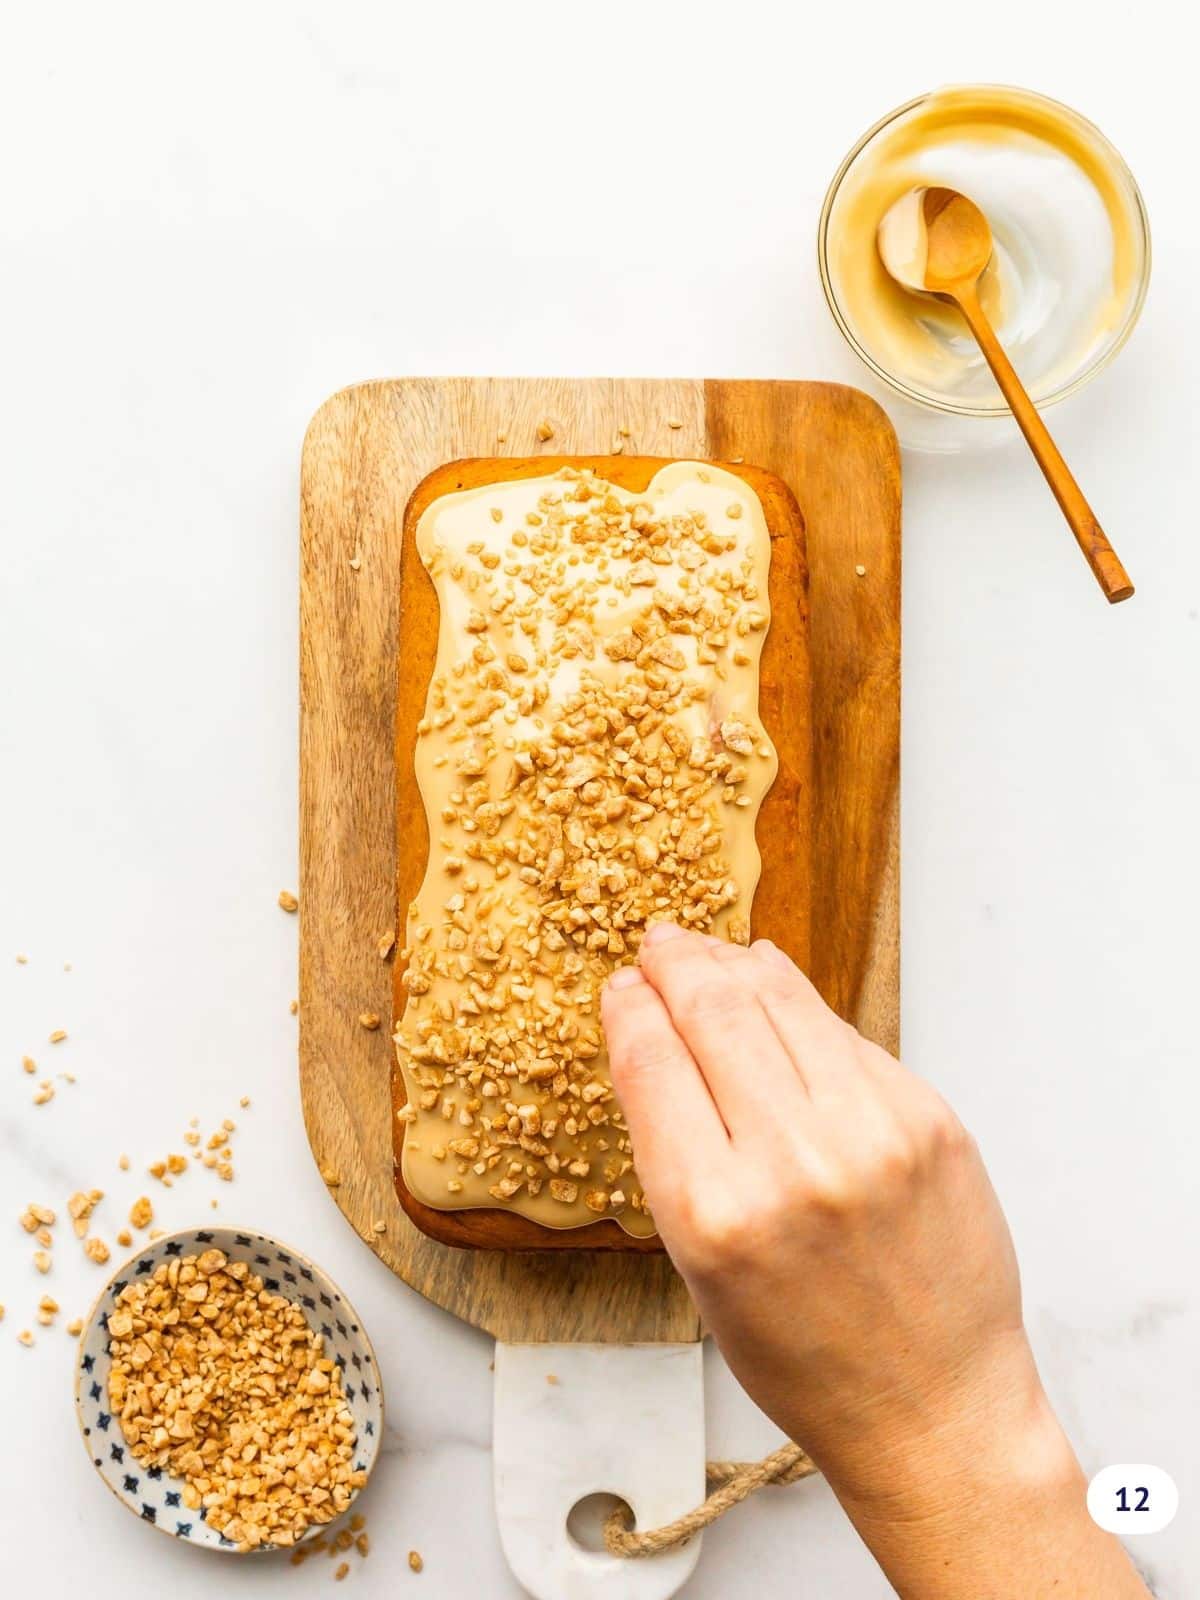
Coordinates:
(149,1492)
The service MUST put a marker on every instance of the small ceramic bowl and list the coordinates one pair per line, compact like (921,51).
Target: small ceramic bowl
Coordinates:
(148,1491)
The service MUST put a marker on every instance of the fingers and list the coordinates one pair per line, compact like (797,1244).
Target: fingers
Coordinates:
(838,1063)
(823,1049)
(672,1120)
(719,1019)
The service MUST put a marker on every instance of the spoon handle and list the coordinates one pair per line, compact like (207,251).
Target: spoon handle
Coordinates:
(1089,535)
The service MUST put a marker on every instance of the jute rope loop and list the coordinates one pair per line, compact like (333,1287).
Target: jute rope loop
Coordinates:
(737,1479)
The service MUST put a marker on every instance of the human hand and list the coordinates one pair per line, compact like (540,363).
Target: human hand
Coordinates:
(837,1228)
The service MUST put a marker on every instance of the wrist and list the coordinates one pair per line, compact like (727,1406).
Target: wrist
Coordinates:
(986,1499)
(986,1431)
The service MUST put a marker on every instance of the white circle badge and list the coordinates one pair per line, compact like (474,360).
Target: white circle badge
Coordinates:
(1132,1497)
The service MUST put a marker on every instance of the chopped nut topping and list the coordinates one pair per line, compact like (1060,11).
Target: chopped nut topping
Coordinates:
(369,1020)
(288,901)
(141,1212)
(58,1036)
(41,1260)
(223,1384)
(96,1250)
(29,1064)
(545,430)
(415,1562)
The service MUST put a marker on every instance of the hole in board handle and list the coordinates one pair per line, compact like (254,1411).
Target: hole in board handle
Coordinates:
(586,1519)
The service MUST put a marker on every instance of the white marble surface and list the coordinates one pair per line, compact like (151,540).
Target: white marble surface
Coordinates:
(210,220)
(644,1445)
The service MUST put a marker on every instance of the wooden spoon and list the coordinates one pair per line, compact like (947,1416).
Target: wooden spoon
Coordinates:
(936,241)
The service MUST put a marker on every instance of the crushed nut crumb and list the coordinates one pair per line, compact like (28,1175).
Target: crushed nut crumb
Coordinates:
(288,901)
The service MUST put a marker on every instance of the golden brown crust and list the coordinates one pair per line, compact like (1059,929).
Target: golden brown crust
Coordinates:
(781,903)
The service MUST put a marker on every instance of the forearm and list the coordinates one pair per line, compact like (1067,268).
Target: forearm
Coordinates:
(991,1513)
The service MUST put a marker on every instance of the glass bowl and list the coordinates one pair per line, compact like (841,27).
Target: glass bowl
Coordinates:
(927,418)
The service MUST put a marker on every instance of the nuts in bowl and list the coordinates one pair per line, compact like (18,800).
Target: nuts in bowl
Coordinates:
(227,1393)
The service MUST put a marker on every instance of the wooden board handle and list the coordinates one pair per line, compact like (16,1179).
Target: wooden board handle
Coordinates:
(1089,535)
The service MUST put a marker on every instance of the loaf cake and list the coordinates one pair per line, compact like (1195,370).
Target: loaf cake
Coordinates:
(601,663)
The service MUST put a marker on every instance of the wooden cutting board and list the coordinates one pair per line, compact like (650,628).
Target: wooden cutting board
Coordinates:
(365,451)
